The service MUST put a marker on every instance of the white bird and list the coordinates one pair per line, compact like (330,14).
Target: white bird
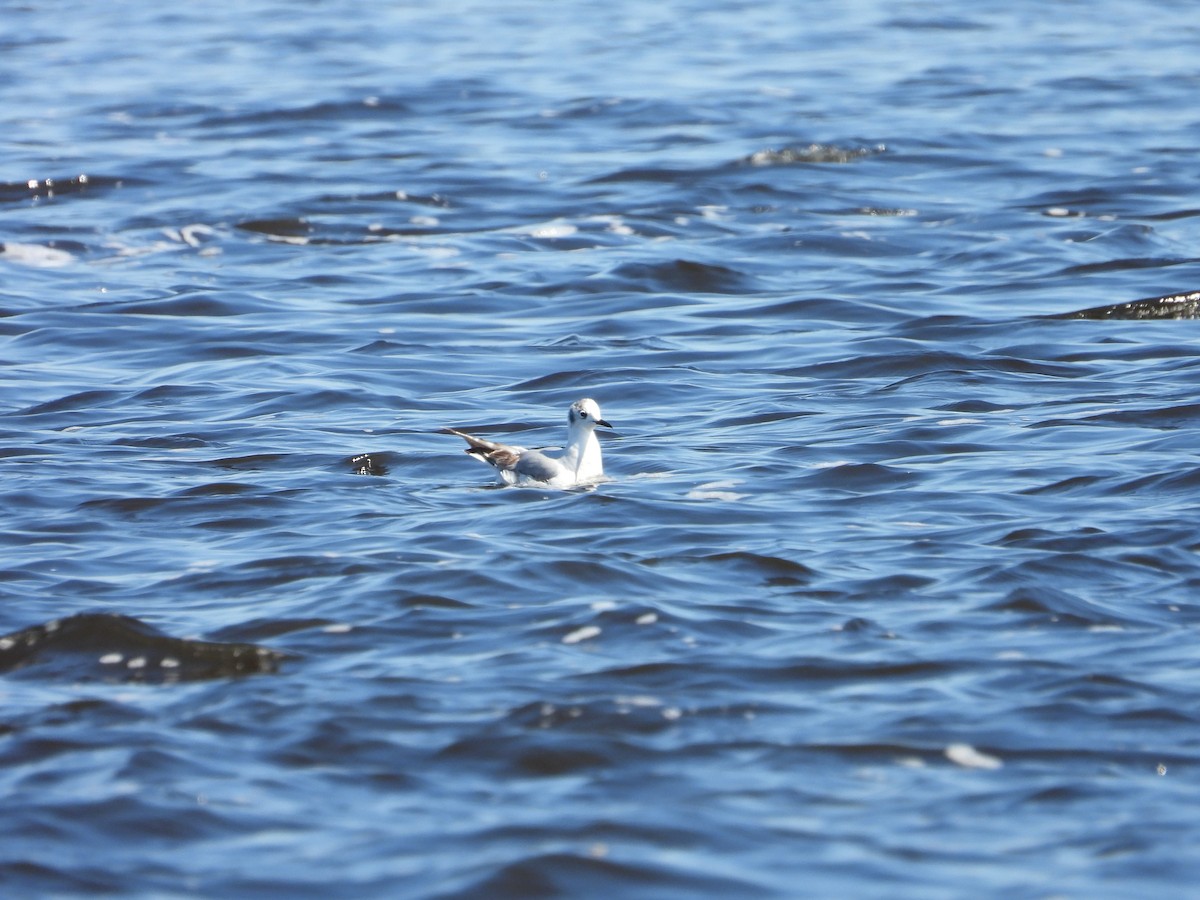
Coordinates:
(578,463)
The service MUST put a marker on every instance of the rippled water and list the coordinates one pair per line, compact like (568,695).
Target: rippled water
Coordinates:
(892,592)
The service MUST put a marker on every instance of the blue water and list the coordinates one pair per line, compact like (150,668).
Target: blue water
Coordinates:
(892,594)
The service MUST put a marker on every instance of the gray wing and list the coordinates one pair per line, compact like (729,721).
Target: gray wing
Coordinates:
(537,466)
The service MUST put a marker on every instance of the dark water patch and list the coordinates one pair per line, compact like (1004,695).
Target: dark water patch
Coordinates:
(1065,203)
(1155,716)
(1098,689)
(1044,605)
(255,462)
(126,507)
(267,122)
(189,305)
(437,201)
(1076,483)
(218,490)
(216,506)
(1171,215)
(44,189)
(600,832)
(283,228)
(806,310)
(255,630)
(381,347)
(1090,84)
(369,464)
(235,524)
(346,740)
(1122,265)
(81,401)
(679,275)
(1161,484)
(859,626)
(826,670)
(572,572)
(98,712)
(130,819)
(774,571)
(14,452)
(890,586)
(912,361)
(292,401)
(570,379)
(633,112)
(1168,353)
(155,108)
(269,574)
(164,442)
(1169,306)
(576,342)
(113,647)
(1170,418)
(763,418)
(431,601)
(627,715)
(571,875)
(547,754)
(173,393)
(928,442)
(860,478)
(936,23)
(1082,541)
(670,176)
(941,328)
(46,879)
(708,672)
(655,677)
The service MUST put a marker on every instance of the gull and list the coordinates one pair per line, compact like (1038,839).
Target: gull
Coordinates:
(579,462)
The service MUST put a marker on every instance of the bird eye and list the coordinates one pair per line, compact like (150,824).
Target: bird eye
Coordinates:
(582,414)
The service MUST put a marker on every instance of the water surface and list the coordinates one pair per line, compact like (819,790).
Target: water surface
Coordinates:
(892,592)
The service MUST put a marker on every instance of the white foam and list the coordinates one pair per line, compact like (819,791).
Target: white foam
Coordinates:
(587,632)
(969,758)
(716,490)
(35,256)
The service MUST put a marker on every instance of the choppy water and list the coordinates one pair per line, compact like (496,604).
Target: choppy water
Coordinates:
(893,592)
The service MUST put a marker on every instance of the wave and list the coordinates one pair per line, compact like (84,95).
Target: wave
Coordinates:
(114,647)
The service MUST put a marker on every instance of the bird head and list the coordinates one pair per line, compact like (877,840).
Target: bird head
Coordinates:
(585,413)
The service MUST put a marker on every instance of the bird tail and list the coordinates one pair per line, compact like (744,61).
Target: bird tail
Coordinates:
(477,445)
(498,455)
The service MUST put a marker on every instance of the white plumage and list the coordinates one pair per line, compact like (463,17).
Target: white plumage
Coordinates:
(578,463)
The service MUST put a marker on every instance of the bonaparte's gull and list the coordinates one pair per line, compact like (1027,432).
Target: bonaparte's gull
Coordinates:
(578,463)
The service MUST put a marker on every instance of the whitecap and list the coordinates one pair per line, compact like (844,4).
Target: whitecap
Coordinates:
(968,757)
(587,632)
(36,256)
